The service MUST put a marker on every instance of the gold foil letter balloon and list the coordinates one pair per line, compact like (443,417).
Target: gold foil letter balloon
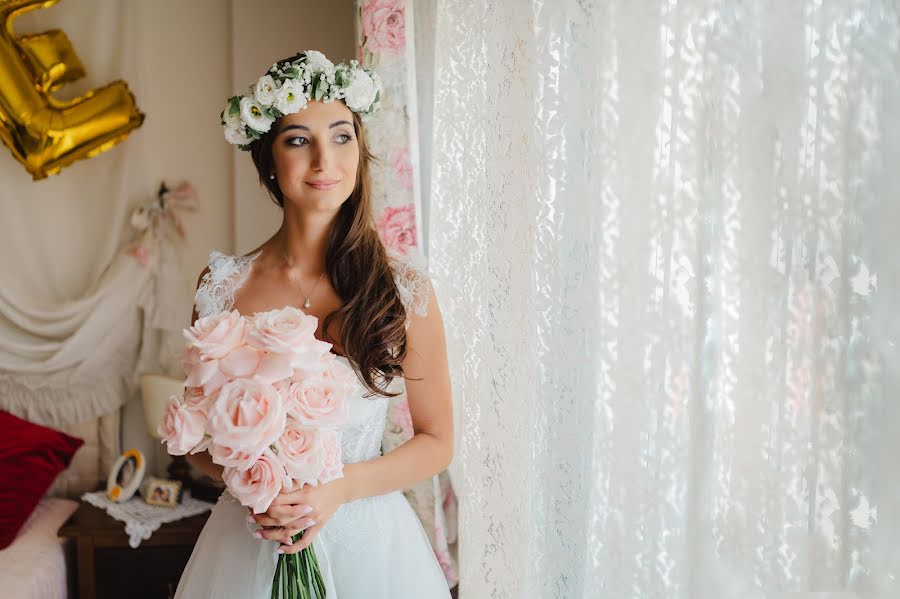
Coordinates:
(43,133)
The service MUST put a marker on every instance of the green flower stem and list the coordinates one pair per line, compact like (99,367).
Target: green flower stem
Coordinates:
(277,581)
(298,575)
(292,568)
(304,587)
(308,569)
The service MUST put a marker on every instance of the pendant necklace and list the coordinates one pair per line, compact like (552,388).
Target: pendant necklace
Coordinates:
(307,304)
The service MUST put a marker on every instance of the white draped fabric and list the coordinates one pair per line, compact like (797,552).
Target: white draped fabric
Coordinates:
(79,318)
(660,233)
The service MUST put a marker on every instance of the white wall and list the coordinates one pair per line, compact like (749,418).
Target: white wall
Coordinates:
(189,77)
(263,32)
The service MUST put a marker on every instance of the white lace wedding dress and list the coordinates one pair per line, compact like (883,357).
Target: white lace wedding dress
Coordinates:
(372,548)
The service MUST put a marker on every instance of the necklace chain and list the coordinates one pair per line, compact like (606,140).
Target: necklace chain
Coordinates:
(307,304)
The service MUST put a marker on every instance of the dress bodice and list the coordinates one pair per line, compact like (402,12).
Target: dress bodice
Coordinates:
(362,433)
(361,436)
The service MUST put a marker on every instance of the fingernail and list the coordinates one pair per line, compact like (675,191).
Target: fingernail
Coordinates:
(279,550)
(307,509)
(310,524)
(251,519)
(258,535)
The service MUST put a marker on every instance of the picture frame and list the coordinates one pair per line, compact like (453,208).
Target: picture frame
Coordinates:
(125,476)
(162,492)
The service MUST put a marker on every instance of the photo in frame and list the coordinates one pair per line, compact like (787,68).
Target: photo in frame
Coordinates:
(162,492)
(125,476)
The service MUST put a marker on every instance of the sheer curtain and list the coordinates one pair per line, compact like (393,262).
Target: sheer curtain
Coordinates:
(660,233)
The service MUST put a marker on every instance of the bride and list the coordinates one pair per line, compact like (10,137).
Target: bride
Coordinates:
(303,128)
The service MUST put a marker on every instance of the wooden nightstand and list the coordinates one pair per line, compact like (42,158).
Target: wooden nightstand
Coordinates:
(103,566)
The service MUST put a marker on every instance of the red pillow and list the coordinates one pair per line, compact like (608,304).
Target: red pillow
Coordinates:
(31,457)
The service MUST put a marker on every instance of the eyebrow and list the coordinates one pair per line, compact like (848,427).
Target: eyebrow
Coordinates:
(331,126)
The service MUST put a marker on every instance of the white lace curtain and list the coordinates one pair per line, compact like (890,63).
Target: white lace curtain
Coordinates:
(660,233)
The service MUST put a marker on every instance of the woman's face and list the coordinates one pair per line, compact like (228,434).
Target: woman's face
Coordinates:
(316,156)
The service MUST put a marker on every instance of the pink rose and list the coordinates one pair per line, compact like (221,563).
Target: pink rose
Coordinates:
(282,330)
(209,340)
(319,402)
(301,453)
(384,26)
(288,337)
(216,335)
(199,372)
(196,401)
(312,368)
(231,458)
(331,368)
(257,486)
(203,445)
(241,362)
(333,467)
(247,416)
(403,169)
(181,429)
(282,388)
(342,376)
(246,362)
(397,227)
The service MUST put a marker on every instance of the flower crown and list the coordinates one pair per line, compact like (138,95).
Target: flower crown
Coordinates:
(289,85)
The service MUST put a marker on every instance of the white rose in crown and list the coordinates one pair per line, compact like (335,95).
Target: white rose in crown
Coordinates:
(265,90)
(317,62)
(361,92)
(290,97)
(232,120)
(237,136)
(253,115)
(235,131)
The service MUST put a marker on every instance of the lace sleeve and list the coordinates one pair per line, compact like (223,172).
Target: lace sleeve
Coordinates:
(411,278)
(217,287)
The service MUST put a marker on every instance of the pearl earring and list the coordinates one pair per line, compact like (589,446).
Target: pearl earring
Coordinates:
(272,176)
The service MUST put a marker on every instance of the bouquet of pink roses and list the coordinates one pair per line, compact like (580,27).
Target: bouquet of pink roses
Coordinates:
(265,398)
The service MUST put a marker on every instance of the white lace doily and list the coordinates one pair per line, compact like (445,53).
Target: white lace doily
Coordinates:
(142,519)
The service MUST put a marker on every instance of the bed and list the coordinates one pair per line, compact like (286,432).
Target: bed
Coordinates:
(34,565)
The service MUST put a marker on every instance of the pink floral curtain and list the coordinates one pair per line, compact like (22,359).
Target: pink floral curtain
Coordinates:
(385,43)
(382,43)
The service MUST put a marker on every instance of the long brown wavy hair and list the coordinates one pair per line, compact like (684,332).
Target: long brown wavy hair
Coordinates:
(372,334)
